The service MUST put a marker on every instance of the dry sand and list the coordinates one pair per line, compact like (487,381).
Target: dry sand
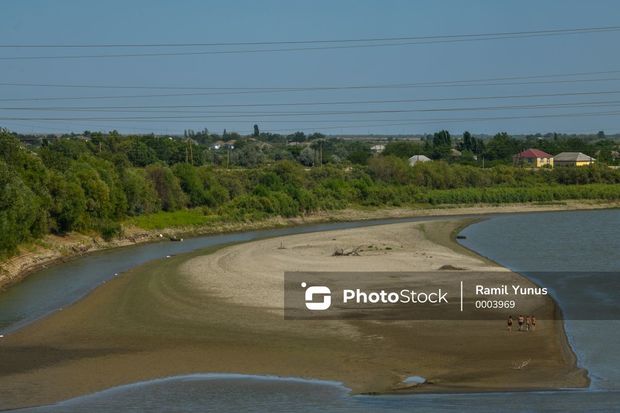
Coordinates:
(222,312)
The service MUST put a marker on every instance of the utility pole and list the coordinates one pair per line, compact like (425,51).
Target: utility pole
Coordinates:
(191,151)
(230,147)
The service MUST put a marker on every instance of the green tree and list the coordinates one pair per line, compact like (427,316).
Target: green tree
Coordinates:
(389,169)
(191,183)
(19,209)
(306,156)
(167,187)
(403,149)
(139,192)
(68,209)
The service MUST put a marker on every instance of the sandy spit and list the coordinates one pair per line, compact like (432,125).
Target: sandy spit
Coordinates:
(220,311)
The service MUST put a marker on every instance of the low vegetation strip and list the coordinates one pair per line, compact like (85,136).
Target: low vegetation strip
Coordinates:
(387,196)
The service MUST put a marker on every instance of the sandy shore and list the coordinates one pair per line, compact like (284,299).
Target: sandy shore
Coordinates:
(221,312)
(54,249)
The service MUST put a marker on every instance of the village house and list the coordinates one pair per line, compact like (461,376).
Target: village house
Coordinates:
(377,148)
(534,158)
(418,158)
(573,159)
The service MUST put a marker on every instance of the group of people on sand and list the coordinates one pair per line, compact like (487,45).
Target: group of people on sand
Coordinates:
(525,323)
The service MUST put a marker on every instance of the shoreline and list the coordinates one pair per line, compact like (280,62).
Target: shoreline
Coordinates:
(52,249)
(239,340)
(215,376)
(559,313)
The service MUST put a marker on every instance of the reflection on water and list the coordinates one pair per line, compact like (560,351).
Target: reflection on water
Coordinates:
(236,393)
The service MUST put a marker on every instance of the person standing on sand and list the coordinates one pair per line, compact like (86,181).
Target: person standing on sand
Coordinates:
(509,323)
(520,322)
(528,323)
(533,323)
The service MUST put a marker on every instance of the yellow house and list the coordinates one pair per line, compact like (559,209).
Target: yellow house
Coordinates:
(534,158)
(573,159)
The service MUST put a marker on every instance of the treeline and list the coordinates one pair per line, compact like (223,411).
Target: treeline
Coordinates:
(72,185)
(233,150)
(227,150)
(502,147)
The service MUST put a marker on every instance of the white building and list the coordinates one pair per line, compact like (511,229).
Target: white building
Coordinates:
(377,148)
(418,158)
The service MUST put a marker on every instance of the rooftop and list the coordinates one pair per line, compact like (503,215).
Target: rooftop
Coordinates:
(573,157)
(534,153)
(419,158)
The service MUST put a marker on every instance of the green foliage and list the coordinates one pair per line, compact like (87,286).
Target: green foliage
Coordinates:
(389,169)
(19,210)
(520,195)
(68,208)
(167,187)
(93,185)
(109,229)
(502,147)
(176,219)
(404,149)
(191,184)
(139,192)
(140,154)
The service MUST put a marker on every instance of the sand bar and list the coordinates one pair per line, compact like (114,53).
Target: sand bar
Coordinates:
(220,311)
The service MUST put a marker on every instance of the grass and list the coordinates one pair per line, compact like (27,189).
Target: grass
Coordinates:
(175,219)
(439,198)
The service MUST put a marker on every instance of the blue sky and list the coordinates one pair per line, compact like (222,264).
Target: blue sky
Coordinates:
(97,22)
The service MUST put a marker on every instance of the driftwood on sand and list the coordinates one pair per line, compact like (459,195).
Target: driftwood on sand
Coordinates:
(341,252)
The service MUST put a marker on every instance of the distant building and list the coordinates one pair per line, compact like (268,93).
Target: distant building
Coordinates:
(455,153)
(573,159)
(534,158)
(377,148)
(418,158)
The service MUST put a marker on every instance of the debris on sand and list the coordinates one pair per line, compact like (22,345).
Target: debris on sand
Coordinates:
(340,252)
(522,365)
(448,267)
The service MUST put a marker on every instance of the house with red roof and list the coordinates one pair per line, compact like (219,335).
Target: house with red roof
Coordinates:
(534,158)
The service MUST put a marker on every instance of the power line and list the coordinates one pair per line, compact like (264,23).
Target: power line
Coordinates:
(434,120)
(315,41)
(219,114)
(383,125)
(312,103)
(317,88)
(66,127)
(430,83)
(337,47)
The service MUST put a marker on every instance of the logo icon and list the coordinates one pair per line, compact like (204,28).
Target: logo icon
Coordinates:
(318,290)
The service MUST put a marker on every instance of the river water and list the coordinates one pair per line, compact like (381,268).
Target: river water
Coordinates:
(575,254)
(58,286)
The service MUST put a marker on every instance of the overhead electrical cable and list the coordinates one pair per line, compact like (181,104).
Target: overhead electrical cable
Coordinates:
(367,39)
(372,43)
(304,89)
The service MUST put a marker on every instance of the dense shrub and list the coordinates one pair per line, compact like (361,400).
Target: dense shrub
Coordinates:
(77,185)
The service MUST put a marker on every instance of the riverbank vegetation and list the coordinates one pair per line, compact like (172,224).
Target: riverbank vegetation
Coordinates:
(98,183)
